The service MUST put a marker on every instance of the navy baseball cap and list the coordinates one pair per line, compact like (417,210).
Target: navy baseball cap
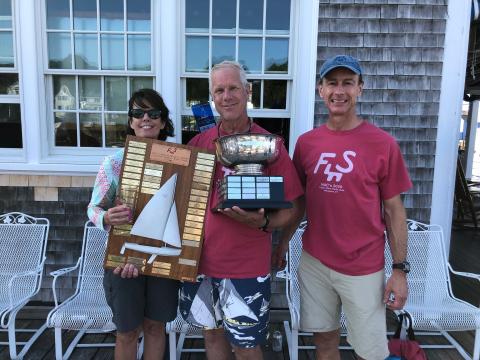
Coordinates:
(338,61)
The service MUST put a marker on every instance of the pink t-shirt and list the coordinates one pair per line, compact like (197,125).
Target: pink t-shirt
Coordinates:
(346,175)
(231,249)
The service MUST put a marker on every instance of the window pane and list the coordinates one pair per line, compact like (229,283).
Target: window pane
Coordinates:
(65,129)
(59,51)
(5,14)
(276,55)
(139,57)
(64,92)
(86,56)
(197,53)
(90,130)
(255,91)
(9,84)
(85,14)
(6,49)
(223,48)
(274,94)
(116,93)
(138,15)
(224,15)
(137,83)
(277,126)
(112,52)
(10,126)
(250,54)
(89,92)
(115,129)
(197,91)
(111,15)
(196,15)
(278,16)
(58,14)
(189,128)
(251,16)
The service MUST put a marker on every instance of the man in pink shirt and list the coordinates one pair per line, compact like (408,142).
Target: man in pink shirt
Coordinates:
(230,300)
(353,174)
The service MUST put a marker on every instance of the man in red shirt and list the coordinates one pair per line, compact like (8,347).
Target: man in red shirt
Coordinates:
(230,300)
(353,174)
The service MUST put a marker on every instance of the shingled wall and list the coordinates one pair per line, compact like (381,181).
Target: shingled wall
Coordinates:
(400,44)
(63,201)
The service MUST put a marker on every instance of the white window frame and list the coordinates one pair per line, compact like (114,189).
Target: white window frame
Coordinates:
(167,20)
(14,154)
(85,155)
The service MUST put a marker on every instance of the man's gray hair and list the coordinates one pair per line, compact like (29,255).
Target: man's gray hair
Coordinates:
(227,64)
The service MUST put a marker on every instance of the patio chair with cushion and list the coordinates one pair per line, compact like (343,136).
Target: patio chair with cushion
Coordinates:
(23,243)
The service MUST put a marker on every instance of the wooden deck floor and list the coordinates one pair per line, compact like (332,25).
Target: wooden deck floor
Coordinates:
(465,249)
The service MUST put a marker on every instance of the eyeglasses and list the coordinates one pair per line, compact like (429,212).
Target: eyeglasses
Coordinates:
(139,113)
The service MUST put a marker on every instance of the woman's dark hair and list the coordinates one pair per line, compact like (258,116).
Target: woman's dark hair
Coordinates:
(145,98)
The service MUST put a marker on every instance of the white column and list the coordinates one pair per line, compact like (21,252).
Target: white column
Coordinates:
(305,58)
(471,138)
(167,52)
(453,81)
(29,64)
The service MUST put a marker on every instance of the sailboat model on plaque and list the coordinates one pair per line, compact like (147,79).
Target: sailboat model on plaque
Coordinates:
(159,221)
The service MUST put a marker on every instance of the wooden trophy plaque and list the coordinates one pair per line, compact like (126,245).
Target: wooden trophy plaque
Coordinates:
(147,165)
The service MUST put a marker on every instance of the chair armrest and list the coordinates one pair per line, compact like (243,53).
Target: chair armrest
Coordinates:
(15,277)
(465,274)
(282,274)
(57,273)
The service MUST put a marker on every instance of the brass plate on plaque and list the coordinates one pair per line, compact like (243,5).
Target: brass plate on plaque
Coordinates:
(135,157)
(190,243)
(170,154)
(188,262)
(147,165)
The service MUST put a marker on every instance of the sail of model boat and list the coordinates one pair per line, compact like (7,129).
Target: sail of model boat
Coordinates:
(158,220)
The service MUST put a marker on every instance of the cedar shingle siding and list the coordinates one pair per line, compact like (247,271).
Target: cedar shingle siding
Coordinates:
(400,44)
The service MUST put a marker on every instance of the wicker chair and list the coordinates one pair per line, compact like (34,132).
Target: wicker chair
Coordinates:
(23,242)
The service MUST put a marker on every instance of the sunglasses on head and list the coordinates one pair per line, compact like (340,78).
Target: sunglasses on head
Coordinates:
(139,113)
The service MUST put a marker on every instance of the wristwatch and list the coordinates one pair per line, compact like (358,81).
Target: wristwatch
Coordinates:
(404,266)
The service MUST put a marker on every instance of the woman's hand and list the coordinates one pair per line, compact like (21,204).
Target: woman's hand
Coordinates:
(128,271)
(118,215)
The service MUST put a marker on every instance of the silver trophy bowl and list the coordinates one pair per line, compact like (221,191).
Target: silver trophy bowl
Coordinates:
(248,153)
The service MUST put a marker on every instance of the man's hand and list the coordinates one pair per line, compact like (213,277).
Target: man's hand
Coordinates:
(127,272)
(396,290)
(278,257)
(253,219)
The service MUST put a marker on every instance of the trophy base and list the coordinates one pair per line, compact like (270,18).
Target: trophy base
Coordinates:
(254,204)
(252,192)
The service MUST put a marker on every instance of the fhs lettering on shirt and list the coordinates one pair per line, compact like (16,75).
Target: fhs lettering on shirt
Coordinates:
(328,160)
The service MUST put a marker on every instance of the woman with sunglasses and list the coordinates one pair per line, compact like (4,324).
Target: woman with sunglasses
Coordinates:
(139,303)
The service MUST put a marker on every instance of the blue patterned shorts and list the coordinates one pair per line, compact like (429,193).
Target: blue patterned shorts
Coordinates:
(240,306)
